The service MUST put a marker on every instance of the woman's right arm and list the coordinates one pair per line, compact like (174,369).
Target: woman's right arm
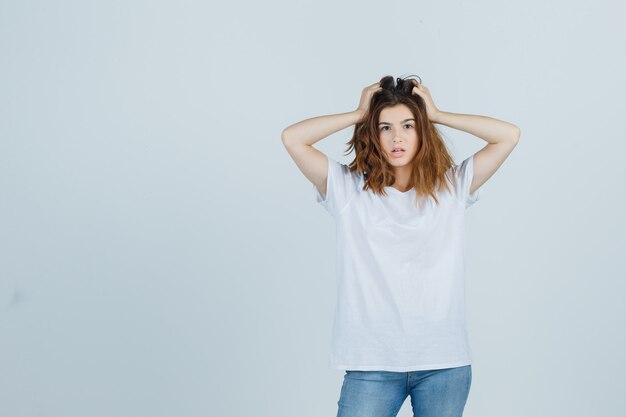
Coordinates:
(299,138)
(310,131)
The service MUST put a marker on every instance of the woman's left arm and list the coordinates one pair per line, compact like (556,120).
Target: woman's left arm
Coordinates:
(491,130)
(502,137)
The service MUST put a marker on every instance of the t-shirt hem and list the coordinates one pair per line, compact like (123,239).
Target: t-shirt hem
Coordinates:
(427,367)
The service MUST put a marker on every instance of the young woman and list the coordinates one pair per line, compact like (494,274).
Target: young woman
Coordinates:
(399,209)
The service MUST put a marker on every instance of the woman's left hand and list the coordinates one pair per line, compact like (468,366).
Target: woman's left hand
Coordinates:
(431,109)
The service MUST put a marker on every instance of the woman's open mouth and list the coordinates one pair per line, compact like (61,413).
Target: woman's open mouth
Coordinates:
(397,153)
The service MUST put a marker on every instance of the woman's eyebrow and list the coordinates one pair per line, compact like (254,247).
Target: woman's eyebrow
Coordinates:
(405,120)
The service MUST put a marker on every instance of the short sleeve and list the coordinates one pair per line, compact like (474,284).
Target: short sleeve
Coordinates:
(341,185)
(464,177)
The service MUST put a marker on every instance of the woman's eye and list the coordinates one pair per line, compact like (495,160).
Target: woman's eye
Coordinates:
(386,127)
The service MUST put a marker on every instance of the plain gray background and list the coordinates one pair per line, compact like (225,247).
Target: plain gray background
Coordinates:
(161,254)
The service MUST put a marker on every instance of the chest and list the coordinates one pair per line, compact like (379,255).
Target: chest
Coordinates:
(396,230)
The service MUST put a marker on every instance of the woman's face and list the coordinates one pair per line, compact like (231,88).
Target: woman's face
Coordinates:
(396,128)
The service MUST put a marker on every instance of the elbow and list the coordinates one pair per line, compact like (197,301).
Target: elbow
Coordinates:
(517,132)
(284,137)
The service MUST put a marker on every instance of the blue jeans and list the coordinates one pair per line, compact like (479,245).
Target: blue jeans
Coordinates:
(434,393)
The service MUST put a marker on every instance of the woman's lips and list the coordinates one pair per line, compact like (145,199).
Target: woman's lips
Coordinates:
(397,154)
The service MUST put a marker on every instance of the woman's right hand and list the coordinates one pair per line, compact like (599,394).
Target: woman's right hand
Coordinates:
(366,97)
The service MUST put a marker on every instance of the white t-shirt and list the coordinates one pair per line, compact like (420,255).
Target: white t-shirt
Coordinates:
(400,274)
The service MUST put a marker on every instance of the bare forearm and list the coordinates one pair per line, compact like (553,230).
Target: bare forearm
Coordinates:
(309,131)
(487,128)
